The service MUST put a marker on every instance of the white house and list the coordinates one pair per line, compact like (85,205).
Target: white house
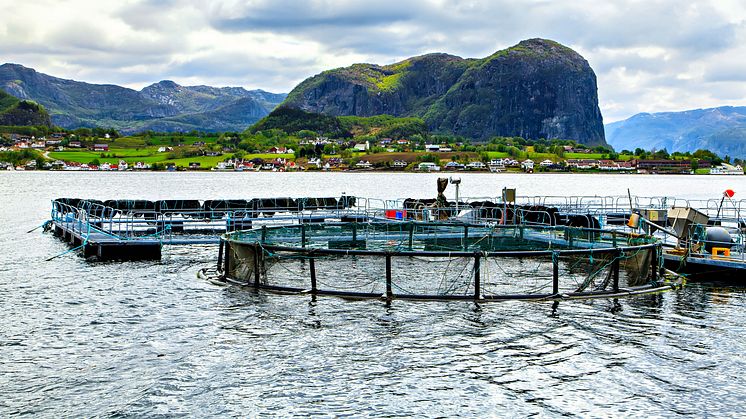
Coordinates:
(363,164)
(546,163)
(476,165)
(428,167)
(362,146)
(527,165)
(224,165)
(399,164)
(314,161)
(454,165)
(726,169)
(496,165)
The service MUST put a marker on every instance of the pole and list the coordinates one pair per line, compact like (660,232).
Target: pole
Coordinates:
(220,255)
(226,263)
(477,290)
(615,271)
(389,292)
(411,234)
(312,267)
(629,194)
(555,273)
(720,206)
(256,266)
(457,185)
(505,209)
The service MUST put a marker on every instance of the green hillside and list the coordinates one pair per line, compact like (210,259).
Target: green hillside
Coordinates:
(17,112)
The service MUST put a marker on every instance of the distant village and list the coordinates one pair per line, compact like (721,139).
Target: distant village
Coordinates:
(383,155)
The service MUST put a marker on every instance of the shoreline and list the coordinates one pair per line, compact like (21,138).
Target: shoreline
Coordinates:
(444,173)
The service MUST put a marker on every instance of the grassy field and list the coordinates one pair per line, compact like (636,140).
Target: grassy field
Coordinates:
(594,156)
(150,156)
(537,157)
(268,156)
(130,156)
(166,140)
(206,162)
(497,154)
(159,140)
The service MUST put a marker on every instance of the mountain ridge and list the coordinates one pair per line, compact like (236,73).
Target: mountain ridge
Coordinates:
(74,104)
(721,130)
(535,89)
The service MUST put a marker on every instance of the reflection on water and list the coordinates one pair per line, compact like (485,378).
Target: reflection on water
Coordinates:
(148,338)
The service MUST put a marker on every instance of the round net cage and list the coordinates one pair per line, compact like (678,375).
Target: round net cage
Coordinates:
(443,261)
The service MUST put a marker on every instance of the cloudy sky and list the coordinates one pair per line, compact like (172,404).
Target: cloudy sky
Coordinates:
(649,55)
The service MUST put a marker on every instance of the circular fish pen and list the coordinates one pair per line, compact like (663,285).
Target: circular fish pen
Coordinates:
(443,261)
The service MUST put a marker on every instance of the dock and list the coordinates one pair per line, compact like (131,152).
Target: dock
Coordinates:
(138,229)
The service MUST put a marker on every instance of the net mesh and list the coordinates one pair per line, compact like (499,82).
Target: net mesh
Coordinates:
(430,260)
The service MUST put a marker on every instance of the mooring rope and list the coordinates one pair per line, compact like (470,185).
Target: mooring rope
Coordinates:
(45,224)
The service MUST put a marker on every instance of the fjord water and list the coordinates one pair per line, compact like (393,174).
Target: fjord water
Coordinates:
(150,339)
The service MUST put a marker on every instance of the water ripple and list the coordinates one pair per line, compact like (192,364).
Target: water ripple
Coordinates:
(150,339)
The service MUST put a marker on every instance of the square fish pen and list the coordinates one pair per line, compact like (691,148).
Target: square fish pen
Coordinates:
(442,261)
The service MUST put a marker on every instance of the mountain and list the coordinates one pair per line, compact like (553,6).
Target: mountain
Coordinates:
(536,89)
(165,105)
(21,112)
(721,130)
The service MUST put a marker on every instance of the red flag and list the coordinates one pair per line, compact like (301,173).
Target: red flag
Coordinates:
(729,193)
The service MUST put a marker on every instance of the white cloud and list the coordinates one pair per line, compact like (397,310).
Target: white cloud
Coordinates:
(648,55)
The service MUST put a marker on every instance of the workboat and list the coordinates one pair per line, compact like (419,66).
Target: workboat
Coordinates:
(697,245)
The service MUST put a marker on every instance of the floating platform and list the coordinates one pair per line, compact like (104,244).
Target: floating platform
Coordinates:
(443,261)
(104,247)
(138,229)
(707,267)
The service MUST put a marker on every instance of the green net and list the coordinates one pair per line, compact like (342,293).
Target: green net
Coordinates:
(441,260)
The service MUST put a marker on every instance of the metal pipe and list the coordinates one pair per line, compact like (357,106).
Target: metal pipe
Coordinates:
(555,273)
(220,255)
(389,291)
(256,266)
(312,268)
(615,271)
(477,291)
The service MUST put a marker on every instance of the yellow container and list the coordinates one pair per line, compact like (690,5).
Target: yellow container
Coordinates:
(634,220)
(720,252)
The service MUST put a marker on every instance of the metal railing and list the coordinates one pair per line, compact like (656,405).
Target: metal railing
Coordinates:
(172,220)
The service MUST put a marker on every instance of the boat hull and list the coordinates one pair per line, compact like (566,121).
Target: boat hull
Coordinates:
(707,269)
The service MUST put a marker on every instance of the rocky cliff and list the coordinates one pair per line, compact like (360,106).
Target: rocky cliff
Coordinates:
(536,89)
